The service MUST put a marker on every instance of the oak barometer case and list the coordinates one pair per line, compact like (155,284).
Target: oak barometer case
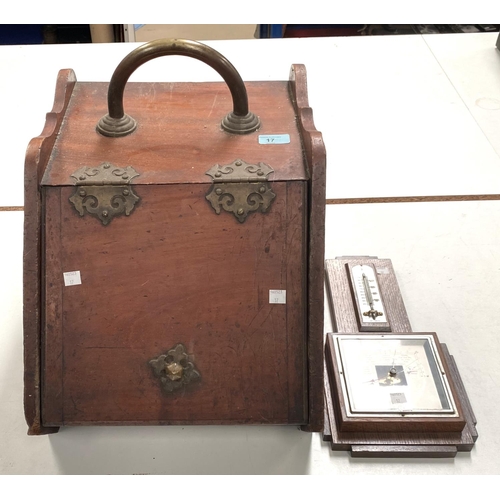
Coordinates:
(389,391)
(393,382)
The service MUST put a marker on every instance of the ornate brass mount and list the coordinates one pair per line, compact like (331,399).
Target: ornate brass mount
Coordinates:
(373,313)
(240,188)
(104,191)
(174,369)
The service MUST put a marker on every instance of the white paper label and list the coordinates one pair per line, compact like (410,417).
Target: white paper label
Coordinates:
(72,278)
(274,139)
(277,296)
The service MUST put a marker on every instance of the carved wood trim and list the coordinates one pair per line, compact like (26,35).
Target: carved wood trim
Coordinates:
(315,156)
(37,156)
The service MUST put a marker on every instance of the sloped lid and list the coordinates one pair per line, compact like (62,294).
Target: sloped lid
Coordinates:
(179,135)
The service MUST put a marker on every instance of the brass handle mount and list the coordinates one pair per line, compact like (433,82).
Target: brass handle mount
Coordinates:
(116,123)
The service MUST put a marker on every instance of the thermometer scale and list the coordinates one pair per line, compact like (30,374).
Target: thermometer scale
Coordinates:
(369,305)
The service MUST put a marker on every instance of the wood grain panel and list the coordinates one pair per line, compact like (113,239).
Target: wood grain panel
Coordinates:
(470,435)
(179,136)
(52,334)
(401,451)
(296,286)
(37,157)
(174,272)
(315,155)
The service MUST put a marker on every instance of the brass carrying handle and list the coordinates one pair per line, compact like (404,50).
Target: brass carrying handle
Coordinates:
(117,124)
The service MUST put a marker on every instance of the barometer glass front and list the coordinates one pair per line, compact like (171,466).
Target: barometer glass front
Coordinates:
(393,375)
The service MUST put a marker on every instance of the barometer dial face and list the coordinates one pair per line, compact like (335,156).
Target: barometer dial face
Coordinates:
(393,375)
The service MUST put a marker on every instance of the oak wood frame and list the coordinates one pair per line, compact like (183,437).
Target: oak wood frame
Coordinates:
(372,444)
(393,424)
(315,155)
(37,157)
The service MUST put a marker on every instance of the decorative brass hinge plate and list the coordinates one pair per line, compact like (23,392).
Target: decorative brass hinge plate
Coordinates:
(104,191)
(240,188)
(175,369)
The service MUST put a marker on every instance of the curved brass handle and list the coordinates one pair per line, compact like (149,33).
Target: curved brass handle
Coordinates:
(116,123)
